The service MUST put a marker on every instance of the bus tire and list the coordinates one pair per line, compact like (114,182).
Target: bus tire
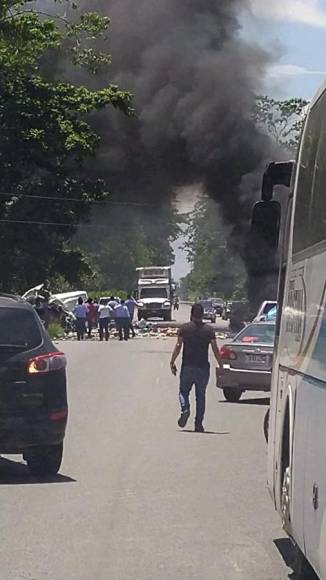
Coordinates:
(286,500)
(301,567)
(286,475)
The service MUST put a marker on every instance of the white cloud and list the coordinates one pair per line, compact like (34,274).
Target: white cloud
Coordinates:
(292,70)
(306,11)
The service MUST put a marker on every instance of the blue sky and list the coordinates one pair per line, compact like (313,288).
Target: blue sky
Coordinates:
(295,30)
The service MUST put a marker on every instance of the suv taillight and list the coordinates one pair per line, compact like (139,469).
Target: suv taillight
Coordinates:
(46,363)
(227,354)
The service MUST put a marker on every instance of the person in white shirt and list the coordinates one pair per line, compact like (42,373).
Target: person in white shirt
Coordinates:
(104,314)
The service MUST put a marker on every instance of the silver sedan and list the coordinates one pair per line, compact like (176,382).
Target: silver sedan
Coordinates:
(247,361)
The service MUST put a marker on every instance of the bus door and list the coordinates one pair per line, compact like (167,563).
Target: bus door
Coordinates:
(278,430)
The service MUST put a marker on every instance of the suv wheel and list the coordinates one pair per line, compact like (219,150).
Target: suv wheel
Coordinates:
(44,460)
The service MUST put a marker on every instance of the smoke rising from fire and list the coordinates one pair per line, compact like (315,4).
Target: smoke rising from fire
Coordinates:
(194,79)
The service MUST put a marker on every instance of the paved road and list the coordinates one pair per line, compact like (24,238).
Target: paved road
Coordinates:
(183,315)
(138,499)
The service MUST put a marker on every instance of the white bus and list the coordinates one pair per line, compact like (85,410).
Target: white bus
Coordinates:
(297,422)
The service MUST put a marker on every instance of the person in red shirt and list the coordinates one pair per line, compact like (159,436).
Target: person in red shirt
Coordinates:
(91,316)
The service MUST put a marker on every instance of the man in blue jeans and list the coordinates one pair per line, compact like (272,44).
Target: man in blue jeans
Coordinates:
(195,337)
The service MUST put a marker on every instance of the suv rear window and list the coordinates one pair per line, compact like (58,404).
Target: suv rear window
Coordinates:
(19,328)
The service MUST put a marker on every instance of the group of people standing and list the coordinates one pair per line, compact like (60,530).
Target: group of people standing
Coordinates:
(103,316)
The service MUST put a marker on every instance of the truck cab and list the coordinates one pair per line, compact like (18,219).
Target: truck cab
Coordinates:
(155,292)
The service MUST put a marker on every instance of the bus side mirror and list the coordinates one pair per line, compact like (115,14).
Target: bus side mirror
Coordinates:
(263,238)
(276,174)
(136,294)
(266,222)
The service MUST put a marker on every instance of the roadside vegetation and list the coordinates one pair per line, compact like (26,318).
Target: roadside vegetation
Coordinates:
(46,140)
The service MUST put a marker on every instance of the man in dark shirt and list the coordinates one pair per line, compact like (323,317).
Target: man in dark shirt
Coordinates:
(195,337)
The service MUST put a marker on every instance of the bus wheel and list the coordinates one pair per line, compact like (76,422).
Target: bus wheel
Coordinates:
(301,567)
(286,500)
(266,424)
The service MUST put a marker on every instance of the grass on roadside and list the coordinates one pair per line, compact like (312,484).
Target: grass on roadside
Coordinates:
(55,330)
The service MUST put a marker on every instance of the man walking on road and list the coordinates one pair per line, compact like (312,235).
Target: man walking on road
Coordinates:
(195,337)
(122,320)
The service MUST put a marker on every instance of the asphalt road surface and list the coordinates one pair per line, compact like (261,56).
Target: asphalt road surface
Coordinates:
(183,315)
(137,498)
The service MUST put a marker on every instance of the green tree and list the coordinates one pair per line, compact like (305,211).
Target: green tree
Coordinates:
(216,267)
(46,138)
(126,237)
(282,120)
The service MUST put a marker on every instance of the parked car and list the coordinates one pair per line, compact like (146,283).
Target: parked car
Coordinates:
(209,311)
(33,393)
(264,310)
(247,361)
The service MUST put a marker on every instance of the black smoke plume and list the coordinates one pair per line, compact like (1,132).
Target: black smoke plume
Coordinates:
(194,79)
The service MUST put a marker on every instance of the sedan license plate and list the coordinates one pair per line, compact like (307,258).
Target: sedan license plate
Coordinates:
(256,358)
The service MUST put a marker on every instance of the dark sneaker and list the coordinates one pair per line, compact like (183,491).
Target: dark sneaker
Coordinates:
(199,429)
(182,421)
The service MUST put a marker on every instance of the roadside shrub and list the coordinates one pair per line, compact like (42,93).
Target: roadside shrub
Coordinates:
(55,331)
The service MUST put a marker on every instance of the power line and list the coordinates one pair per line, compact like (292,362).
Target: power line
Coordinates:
(57,224)
(72,199)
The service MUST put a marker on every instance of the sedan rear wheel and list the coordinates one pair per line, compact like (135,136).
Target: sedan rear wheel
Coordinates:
(232,394)
(44,460)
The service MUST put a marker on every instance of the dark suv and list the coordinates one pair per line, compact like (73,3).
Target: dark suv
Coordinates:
(33,395)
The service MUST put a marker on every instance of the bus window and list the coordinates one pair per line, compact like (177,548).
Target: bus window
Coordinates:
(310,217)
(317,217)
(301,234)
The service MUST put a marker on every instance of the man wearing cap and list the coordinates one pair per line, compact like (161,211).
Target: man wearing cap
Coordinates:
(195,337)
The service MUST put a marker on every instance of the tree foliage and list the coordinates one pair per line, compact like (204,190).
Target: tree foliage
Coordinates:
(46,137)
(216,267)
(282,120)
(127,237)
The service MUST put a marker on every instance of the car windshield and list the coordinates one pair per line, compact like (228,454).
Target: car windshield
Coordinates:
(153,293)
(18,328)
(257,333)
